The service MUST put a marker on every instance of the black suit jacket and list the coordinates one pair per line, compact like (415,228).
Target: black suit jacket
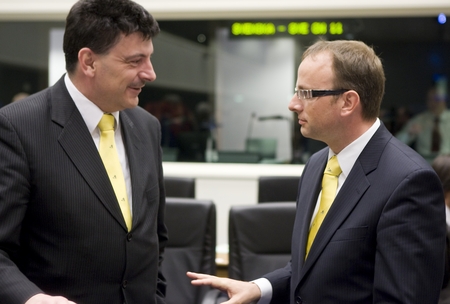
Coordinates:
(383,238)
(61,228)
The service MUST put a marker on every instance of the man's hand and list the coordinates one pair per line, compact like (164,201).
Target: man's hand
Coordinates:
(239,292)
(41,298)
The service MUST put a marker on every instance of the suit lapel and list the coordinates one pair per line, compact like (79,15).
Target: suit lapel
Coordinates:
(354,187)
(348,197)
(77,142)
(307,203)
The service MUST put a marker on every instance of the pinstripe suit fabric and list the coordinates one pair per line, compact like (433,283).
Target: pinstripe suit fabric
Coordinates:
(383,238)
(60,224)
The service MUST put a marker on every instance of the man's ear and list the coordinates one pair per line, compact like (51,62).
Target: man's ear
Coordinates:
(351,102)
(86,61)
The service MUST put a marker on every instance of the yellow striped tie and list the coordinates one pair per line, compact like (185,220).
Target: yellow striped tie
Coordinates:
(329,187)
(110,157)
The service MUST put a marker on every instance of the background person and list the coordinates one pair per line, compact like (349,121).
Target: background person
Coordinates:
(383,238)
(19,96)
(66,235)
(429,132)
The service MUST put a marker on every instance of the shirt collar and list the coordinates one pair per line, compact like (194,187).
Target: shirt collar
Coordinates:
(348,156)
(90,112)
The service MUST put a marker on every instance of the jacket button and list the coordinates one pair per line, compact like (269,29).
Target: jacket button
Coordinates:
(124,284)
(129,237)
(298,300)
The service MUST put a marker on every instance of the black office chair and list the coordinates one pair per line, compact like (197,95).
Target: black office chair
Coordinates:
(191,247)
(277,188)
(259,239)
(179,186)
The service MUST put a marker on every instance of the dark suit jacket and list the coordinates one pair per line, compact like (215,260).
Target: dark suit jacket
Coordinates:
(60,223)
(383,238)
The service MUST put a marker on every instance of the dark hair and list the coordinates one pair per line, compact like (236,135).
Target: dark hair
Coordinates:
(98,25)
(441,164)
(356,67)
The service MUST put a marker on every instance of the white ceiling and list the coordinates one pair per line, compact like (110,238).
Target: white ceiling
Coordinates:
(224,9)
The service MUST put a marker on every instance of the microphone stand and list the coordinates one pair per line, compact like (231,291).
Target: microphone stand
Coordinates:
(250,126)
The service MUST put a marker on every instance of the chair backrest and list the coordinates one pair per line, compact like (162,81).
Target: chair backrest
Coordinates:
(259,238)
(277,188)
(191,247)
(179,186)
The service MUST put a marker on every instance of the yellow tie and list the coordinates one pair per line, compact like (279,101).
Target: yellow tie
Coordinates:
(329,187)
(110,158)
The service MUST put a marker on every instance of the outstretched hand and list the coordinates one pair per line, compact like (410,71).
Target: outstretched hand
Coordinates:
(41,298)
(239,292)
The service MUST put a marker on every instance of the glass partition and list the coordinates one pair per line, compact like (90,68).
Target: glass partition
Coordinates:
(223,86)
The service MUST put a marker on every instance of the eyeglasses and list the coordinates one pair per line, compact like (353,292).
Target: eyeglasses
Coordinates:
(310,94)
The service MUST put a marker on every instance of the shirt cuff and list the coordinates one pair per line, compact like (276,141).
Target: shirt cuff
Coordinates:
(266,290)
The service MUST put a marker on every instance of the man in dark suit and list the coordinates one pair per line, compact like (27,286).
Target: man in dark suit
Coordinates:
(63,236)
(383,238)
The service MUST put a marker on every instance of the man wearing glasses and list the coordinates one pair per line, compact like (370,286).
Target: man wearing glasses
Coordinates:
(370,223)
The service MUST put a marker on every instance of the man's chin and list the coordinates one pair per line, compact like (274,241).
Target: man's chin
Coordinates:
(132,102)
(307,134)
(304,132)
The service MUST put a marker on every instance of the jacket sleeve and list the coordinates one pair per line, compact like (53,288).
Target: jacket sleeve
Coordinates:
(14,192)
(409,260)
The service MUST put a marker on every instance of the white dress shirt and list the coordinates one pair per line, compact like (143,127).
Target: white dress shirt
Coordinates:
(447,215)
(346,158)
(92,114)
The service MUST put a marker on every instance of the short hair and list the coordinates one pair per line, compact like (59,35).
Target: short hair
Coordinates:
(356,67)
(441,164)
(99,24)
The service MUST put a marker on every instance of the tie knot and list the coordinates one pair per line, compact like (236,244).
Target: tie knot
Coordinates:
(106,123)
(333,167)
